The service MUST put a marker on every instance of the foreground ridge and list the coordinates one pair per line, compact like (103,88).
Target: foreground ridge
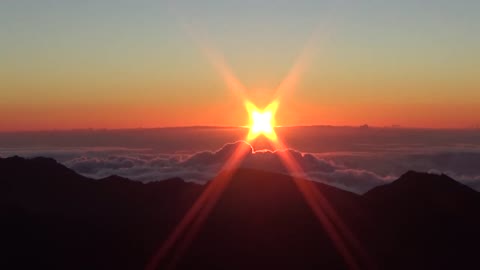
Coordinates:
(57,219)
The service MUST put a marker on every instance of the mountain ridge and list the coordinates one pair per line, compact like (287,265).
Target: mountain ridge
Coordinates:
(57,219)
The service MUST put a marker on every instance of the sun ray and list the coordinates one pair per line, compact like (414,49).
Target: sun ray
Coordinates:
(300,64)
(195,216)
(193,219)
(217,59)
(341,236)
(262,123)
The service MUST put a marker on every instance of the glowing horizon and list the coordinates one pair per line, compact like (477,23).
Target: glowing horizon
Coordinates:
(128,65)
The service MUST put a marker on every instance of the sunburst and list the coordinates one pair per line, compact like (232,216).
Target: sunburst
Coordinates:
(262,122)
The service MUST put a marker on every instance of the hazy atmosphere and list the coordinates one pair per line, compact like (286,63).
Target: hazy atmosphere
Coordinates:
(352,158)
(144,63)
(230,134)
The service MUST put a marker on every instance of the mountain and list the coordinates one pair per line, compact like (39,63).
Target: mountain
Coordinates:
(53,218)
(433,219)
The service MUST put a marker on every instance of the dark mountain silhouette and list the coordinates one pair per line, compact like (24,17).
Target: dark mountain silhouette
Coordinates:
(53,218)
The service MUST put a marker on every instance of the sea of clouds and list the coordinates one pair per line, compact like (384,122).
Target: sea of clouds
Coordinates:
(354,171)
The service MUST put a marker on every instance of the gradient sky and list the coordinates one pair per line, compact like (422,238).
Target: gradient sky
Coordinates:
(126,64)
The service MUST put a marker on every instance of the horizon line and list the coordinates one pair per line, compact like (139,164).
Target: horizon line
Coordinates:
(364,126)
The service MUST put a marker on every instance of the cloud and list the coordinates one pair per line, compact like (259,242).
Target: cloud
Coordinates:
(257,159)
(353,171)
(359,181)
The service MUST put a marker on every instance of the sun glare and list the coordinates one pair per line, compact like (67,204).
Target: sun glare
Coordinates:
(262,122)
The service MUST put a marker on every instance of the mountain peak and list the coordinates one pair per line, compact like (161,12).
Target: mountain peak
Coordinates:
(34,167)
(259,220)
(416,190)
(422,180)
(115,177)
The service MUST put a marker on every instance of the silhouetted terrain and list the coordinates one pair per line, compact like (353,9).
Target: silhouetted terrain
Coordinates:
(53,218)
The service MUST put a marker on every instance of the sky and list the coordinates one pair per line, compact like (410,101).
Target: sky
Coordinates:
(127,64)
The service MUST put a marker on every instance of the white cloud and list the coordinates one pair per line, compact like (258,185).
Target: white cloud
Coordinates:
(357,172)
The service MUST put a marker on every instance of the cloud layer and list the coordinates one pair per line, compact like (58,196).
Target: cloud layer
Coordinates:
(354,171)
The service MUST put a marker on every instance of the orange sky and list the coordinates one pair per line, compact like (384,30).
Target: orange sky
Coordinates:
(72,65)
(230,114)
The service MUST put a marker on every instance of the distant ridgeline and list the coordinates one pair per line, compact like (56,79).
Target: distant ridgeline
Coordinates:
(53,218)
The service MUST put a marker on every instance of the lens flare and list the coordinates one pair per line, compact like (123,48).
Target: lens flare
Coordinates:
(262,122)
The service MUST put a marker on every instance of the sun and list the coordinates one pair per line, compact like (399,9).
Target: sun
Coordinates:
(262,122)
